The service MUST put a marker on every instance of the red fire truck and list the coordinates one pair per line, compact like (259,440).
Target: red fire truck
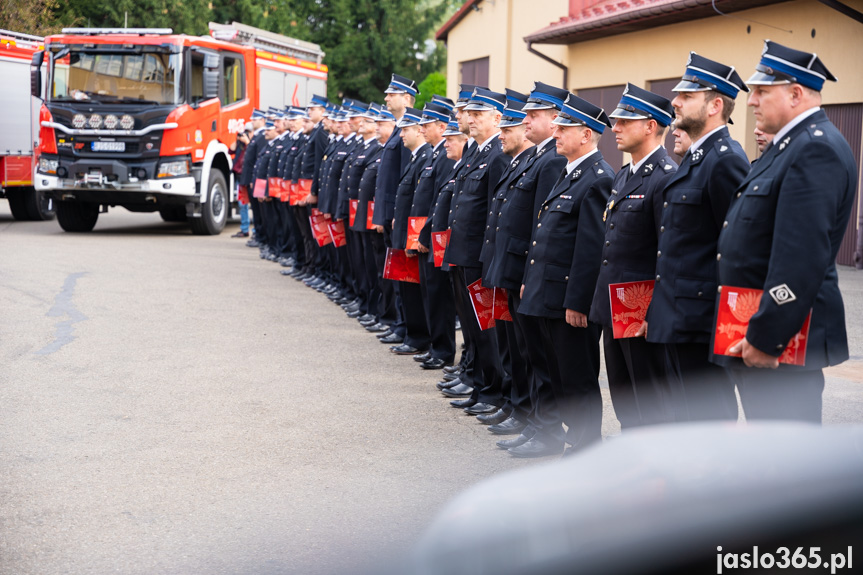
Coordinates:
(143,118)
(20,128)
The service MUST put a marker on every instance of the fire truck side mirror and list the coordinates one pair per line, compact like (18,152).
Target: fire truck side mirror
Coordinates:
(211,76)
(36,73)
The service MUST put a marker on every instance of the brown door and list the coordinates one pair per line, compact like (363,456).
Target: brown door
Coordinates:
(849,119)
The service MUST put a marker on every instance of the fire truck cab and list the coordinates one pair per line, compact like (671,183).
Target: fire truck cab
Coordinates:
(144,119)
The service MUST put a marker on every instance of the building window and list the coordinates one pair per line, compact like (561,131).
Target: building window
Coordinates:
(474,72)
(607,99)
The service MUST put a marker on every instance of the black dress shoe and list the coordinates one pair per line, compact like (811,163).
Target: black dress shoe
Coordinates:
(367,318)
(514,442)
(433,363)
(510,426)
(493,418)
(384,334)
(405,349)
(377,327)
(368,323)
(422,356)
(479,408)
(450,376)
(452,369)
(463,402)
(442,385)
(354,314)
(352,308)
(287,271)
(537,447)
(460,390)
(392,338)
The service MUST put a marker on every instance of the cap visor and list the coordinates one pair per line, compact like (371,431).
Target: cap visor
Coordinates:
(478,108)
(510,123)
(627,115)
(561,121)
(687,86)
(537,106)
(763,79)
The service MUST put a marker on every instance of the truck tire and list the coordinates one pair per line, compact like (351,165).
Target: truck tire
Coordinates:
(39,207)
(173,214)
(214,213)
(17,204)
(77,216)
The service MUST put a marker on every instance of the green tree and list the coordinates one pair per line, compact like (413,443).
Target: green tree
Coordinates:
(435,83)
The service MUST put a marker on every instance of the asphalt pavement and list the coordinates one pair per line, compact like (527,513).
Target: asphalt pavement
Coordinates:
(171,404)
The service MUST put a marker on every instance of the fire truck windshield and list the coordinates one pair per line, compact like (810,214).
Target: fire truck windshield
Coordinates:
(103,76)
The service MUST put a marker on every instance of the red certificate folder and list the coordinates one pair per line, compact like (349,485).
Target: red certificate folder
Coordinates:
(337,232)
(501,305)
(399,267)
(260,189)
(736,307)
(302,192)
(285,194)
(415,226)
(243,195)
(482,301)
(369,215)
(320,228)
(275,189)
(354,204)
(439,243)
(629,302)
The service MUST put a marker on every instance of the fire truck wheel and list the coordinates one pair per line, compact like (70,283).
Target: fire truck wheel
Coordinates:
(17,204)
(214,213)
(77,216)
(39,207)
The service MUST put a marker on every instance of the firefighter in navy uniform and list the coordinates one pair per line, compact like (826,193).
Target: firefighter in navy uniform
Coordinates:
(247,177)
(516,222)
(400,95)
(417,338)
(695,202)
(560,278)
(435,284)
(782,233)
(467,222)
(636,369)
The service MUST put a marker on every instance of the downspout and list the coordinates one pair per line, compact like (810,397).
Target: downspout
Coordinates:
(565,69)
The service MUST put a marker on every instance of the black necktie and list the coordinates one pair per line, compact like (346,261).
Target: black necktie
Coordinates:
(562,177)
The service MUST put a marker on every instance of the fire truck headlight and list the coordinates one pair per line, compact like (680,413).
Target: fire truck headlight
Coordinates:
(95,121)
(79,121)
(111,121)
(127,122)
(48,164)
(173,168)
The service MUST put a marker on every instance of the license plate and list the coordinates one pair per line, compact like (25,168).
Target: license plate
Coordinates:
(109,146)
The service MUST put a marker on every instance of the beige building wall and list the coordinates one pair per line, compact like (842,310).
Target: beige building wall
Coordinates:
(661,53)
(496,32)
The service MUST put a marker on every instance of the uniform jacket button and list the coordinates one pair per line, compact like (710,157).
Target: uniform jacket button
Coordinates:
(605,262)
(534,243)
(538,225)
(724,225)
(657,277)
(661,229)
(531,262)
(659,254)
(718,257)
(664,204)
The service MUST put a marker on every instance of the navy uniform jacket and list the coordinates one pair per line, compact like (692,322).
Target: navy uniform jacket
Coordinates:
(519,205)
(393,160)
(694,202)
(367,185)
(442,208)
(507,181)
(470,204)
(313,154)
(349,178)
(405,194)
(785,226)
(338,164)
(631,229)
(279,148)
(262,166)
(564,256)
(253,150)
(433,177)
(301,143)
(324,172)
(287,157)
